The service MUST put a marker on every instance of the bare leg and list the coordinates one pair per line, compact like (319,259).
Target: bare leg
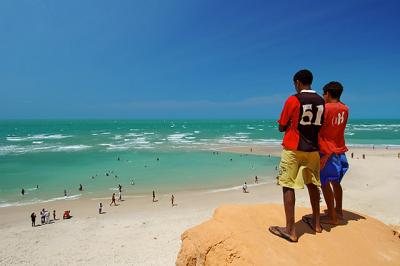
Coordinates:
(289,200)
(314,200)
(330,203)
(338,193)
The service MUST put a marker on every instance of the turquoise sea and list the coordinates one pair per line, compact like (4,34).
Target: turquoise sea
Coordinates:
(100,154)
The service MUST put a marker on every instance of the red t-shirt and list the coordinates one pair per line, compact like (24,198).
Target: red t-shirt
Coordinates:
(302,116)
(331,136)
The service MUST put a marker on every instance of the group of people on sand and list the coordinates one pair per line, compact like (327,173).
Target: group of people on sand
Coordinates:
(172,199)
(45,217)
(113,199)
(313,153)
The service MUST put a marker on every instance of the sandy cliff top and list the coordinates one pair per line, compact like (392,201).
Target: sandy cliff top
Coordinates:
(238,235)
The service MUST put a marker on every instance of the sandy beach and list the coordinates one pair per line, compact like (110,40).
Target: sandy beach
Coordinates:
(141,232)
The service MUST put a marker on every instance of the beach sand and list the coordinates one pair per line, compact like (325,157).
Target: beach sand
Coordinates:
(140,232)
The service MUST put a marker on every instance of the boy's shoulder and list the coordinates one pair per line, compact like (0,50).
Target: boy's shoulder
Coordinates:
(336,106)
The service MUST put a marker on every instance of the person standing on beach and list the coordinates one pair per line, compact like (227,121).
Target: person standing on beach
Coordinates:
(244,187)
(301,120)
(33,219)
(54,215)
(113,200)
(119,192)
(80,187)
(65,192)
(100,208)
(42,216)
(333,147)
(154,196)
(22,192)
(256,180)
(172,200)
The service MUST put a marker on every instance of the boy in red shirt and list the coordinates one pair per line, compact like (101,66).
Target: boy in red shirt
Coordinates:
(301,120)
(332,146)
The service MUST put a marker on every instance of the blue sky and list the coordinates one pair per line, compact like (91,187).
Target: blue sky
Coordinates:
(193,59)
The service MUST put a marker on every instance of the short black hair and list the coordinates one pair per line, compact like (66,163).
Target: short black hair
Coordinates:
(304,76)
(334,88)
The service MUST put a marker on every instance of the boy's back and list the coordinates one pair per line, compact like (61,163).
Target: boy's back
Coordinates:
(331,135)
(303,116)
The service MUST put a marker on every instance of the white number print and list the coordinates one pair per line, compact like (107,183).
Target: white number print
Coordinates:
(307,113)
(338,120)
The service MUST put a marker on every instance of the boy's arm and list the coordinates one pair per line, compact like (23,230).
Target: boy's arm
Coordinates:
(286,115)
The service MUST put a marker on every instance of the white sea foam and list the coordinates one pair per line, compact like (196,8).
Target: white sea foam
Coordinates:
(234,188)
(36,200)
(117,137)
(179,138)
(73,148)
(133,135)
(138,143)
(40,148)
(105,144)
(38,137)
(37,142)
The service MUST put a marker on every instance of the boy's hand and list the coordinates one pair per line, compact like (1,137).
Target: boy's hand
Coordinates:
(323,160)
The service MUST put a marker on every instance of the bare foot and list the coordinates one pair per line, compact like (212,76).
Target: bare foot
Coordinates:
(339,215)
(281,232)
(325,219)
(311,223)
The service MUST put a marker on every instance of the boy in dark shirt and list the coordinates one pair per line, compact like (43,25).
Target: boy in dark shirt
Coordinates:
(301,120)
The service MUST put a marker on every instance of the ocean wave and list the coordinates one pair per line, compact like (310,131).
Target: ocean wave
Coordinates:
(73,148)
(136,144)
(133,135)
(117,137)
(38,137)
(15,149)
(374,125)
(179,138)
(235,187)
(36,201)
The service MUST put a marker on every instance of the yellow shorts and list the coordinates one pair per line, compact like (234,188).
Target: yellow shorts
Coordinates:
(298,168)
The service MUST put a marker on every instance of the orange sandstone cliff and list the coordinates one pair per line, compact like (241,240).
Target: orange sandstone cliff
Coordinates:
(238,235)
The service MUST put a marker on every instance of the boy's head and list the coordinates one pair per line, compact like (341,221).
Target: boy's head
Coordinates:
(303,80)
(332,91)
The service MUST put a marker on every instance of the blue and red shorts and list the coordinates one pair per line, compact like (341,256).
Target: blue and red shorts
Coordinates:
(334,169)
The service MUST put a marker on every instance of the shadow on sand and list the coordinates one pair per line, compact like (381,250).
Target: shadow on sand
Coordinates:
(303,228)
